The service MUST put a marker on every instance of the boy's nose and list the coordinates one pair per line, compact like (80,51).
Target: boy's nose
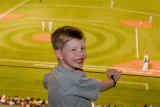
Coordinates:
(80,53)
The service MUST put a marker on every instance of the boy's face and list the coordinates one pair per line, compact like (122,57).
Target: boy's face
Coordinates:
(73,54)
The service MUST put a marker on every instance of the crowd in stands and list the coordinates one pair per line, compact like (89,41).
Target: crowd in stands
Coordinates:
(27,102)
(32,102)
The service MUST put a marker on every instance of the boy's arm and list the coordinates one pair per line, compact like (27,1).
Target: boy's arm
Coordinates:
(107,84)
(113,76)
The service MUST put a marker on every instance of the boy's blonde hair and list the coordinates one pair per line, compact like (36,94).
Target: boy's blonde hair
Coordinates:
(64,34)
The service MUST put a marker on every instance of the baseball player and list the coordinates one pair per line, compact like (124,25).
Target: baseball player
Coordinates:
(111,5)
(150,19)
(50,26)
(146,62)
(43,25)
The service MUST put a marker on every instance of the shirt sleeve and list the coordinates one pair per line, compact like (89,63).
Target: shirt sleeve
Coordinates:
(88,88)
(45,80)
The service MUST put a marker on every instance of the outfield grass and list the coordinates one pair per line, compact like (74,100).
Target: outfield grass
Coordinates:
(108,43)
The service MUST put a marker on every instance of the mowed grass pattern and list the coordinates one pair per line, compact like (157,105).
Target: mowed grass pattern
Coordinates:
(108,43)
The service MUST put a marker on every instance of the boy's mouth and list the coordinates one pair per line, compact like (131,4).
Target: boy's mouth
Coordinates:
(79,61)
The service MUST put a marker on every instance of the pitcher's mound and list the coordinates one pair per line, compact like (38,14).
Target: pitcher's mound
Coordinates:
(43,37)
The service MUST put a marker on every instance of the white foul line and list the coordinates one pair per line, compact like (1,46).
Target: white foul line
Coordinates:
(92,67)
(147,87)
(102,68)
(13,8)
(133,11)
(89,68)
(96,7)
(8,60)
(137,43)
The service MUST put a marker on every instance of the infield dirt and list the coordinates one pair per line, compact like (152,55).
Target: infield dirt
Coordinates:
(135,68)
(10,16)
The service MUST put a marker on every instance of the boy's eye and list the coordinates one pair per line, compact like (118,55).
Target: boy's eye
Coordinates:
(73,49)
(83,48)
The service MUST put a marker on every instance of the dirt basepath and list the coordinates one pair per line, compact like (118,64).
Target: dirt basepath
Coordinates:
(137,23)
(135,68)
(10,16)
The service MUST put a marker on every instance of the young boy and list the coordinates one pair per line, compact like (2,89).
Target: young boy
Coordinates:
(67,84)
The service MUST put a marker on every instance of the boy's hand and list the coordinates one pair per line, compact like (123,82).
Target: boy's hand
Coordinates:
(114,72)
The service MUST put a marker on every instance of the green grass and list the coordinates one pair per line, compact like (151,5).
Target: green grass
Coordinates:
(108,43)
(22,84)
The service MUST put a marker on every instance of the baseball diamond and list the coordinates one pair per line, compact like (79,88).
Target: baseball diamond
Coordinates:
(26,53)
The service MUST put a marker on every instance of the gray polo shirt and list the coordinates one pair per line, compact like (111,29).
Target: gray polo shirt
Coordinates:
(68,88)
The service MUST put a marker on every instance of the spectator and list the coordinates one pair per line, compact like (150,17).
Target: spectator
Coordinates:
(11,102)
(3,98)
(43,103)
(23,102)
(145,105)
(74,89)
(16,99)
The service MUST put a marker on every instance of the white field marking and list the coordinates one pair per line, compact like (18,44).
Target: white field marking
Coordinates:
(140,72)
(36,63)
(119,68)
(13,8)
(133,11)
(96,7)
(98,69)
(146,84)
(71,20)
(137,50)
(91,67)
(8,60)
(53,65)
(103,68)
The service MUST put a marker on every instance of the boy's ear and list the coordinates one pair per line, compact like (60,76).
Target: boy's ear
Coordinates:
(58,54)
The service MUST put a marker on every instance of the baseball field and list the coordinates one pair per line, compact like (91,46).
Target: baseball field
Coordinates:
(116,37)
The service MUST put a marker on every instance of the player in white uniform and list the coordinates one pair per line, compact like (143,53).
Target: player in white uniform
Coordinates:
(146,62)
(150,19)
(111,5)
(50,26)
(43,25)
